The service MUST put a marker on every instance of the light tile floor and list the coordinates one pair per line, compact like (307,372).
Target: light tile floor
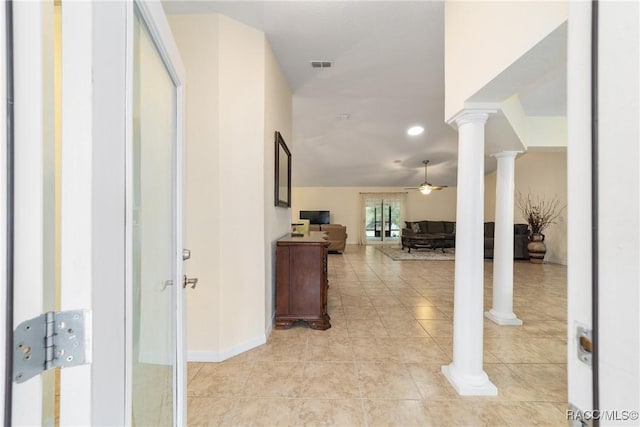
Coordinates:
(379,364)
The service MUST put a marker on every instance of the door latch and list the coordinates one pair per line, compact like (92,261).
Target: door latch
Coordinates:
(584,340)
(52,340)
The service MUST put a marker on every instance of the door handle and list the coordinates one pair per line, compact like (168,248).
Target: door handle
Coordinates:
(165,284)
(193,281)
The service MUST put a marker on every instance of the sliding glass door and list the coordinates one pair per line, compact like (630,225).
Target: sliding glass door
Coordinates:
(382,217)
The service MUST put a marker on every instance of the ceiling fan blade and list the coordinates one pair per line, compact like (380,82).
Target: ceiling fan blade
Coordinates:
(410,188)
(438,187)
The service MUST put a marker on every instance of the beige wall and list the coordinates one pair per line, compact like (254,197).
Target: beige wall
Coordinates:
(439,205)
(241,86)
(476,49)
(534,132)
(232,81)
(343,202)
(202,154)
(543,174)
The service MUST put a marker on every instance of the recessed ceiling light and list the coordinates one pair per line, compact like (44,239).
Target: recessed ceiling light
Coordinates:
(343,116)
(415,130)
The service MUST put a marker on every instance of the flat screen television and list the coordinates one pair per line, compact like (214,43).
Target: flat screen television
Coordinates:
(316,217)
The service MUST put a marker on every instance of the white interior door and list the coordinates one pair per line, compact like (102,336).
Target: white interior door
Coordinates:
(579,266)
(155,185)
(99,117)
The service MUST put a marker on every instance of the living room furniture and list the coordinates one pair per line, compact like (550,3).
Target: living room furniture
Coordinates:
(336,235)
(427,241)
(416,232)
(520,240)
(301,281)
(443,231)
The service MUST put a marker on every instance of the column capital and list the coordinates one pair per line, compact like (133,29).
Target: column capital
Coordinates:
(505,154)
(472,115)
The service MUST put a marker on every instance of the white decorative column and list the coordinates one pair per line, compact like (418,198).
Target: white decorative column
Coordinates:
(465,373)
(502,311)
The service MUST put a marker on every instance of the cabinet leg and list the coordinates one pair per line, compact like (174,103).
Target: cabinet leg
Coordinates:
(320,324)
(283,324)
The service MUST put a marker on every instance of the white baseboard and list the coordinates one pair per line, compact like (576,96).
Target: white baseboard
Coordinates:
(219,356)
(269,329)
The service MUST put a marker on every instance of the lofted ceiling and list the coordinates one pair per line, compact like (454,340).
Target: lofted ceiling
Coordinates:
(387,74)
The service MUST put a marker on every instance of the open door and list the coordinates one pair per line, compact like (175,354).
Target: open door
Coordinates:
(155,187)
(93,209)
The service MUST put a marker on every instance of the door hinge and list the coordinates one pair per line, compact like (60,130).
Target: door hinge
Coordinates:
(51,340)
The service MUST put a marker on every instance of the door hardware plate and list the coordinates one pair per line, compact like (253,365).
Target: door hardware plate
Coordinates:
(584,340)
(51,340)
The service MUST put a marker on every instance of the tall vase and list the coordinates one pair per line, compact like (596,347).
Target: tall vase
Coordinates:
(536,248)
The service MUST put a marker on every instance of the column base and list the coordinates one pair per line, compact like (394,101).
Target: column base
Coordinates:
(509,319)
(478,385)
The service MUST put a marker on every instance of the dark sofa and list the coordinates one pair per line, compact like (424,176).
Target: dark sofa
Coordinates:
(520,240)
(448,228)
(426,228)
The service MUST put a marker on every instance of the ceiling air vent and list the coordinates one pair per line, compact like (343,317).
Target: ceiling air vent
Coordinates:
(321,64)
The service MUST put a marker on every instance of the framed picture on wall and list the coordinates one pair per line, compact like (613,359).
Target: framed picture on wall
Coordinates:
(282,187)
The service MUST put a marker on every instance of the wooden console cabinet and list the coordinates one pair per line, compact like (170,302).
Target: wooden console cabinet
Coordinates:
(301,281)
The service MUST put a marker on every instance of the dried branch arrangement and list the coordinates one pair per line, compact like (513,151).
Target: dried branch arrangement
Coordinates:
(538,212)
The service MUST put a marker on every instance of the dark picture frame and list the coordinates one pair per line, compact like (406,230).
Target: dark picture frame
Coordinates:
(282,186)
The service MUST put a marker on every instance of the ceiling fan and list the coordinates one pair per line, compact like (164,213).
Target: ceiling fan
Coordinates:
(426,187)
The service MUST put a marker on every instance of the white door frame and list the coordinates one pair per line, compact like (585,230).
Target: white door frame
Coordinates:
(93,205)
(579,243)
(28,37)
(3,205)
